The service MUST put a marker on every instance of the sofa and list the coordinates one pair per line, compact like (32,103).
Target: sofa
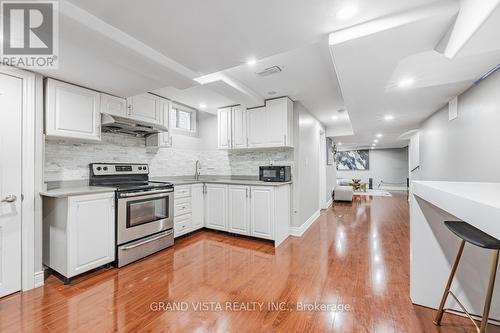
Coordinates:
(343,191)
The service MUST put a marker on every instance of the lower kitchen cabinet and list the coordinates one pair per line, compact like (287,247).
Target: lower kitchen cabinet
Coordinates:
(216,206)
(262,212)
(189,209)
(79,232)
(197,206)
(238,209)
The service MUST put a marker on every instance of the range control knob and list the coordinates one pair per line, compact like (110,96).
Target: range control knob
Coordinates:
(105,168)
(98,168)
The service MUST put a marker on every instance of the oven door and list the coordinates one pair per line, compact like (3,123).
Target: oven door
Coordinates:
(143,215)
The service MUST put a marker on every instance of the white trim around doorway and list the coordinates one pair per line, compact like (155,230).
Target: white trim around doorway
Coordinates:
(31,174)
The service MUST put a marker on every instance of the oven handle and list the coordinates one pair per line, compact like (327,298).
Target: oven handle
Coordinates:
(136,194)
(168,233)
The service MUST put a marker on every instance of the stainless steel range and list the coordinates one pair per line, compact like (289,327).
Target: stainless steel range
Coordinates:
(145,209)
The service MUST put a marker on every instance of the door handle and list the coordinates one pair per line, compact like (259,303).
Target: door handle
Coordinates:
(9,198)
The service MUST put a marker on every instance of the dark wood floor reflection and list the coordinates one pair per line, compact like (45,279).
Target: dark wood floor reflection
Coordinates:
(355,255)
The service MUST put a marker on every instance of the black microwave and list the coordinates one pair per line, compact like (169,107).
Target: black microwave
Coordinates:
(272,173)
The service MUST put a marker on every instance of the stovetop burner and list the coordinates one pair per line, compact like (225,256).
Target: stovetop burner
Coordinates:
(124,176)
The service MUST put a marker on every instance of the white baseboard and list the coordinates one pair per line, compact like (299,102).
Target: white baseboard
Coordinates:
(39,279)
(392,188)
(329,203)
(299,231)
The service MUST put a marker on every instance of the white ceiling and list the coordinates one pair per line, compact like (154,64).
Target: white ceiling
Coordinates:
(126,47)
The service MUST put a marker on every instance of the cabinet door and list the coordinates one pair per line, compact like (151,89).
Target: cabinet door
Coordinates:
(262,212)
(238,127)
(91,232)
(256,127)
(216,206)
(113,105)
(145,107)
(277,122)
(224,128)
(71,111)
(162,140)
(197,206)
(238,209)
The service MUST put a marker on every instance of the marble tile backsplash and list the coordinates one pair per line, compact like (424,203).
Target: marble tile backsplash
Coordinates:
(69,160)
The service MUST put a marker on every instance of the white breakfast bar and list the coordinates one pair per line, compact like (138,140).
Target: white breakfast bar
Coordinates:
(433,247)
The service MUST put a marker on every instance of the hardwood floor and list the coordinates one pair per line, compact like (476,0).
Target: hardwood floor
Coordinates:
(356,255)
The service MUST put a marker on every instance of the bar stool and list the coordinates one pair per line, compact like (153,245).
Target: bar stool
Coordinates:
(473,235)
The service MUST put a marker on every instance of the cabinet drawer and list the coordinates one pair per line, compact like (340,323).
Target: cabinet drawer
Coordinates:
(182,225)
(182,191)
(182,206)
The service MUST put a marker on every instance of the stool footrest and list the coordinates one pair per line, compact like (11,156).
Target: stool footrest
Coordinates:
(463,308)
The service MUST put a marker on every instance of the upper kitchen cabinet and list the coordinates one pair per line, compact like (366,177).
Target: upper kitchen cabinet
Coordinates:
(113,105)
(272,125)
(162,140)
(238,127)
(144,107)
(279,119)
(224,128)
(71,111)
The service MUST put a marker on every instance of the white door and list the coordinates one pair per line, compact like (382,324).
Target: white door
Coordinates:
(91,232)
(276,122)
(72,111)
(238,210)
(197,206)
(10,184)
(262,211)
(145,107)
(239,127)
(216,206)
(224,128)
(257,127)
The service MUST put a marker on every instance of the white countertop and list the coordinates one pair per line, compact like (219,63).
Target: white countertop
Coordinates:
(77,190)
(475,203)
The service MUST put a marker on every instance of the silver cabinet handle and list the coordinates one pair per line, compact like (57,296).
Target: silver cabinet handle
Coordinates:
(246,191)
(9,198)
(284,140)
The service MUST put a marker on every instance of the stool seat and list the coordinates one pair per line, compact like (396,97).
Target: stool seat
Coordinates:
(473,235)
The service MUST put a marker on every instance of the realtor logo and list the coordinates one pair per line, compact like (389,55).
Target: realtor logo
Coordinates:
(30,34)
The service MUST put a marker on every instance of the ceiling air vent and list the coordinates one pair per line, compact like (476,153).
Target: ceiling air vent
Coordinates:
(269,71)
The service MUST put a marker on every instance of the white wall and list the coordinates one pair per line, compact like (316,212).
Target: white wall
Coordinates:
(468,147)
(387,165)
(307,149)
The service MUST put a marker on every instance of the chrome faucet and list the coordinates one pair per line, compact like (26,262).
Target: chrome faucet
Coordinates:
(197,170)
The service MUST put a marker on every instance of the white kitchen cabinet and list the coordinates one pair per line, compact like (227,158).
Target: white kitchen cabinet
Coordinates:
(216,206)
(224,128)
(238,127)
(238,209)
(71,111)
(257,127)
(113,105)
(144,107)
(162,140)
(197,206)
(272,125)
(262,212)
(79,232)
(280,122)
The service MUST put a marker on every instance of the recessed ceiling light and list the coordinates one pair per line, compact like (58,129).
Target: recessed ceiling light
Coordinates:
(339,144)
(406,82)
(335,117)
(251,62)
(347,12)
(376,140)
(379,135)
(202,105)
(374,144)
(272,92)
(388,117)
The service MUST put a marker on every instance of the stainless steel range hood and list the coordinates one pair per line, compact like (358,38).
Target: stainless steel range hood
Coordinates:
(117,124)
